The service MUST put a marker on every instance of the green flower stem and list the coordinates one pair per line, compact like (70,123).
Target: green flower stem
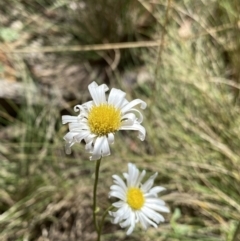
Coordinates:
(102,221)
(98,162)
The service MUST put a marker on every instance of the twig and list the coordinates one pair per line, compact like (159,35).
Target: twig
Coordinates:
(79,48)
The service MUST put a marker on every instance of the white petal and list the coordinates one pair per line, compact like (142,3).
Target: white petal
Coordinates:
(105,147)
(119,182)
(145,221)
(69,118)
(81,108)
(110,138)
(68,147)
(86,106)
(98,93)
(156,190)
(116,97)
(132,219)
(140,116)
(149,183)
(118,204)
(133,175)
(80,136)
(90,138)
(142,220)
(122,213)
(101,148)
(133,103)
(116,218)
(94,157)
(141,176)
(78,126)
(136,127)
(118,189)
(69,136)
(117,195)
(125,223)
(126,176)
(128,119)
(89,146)
(158,208)
(156,217)
(156,201)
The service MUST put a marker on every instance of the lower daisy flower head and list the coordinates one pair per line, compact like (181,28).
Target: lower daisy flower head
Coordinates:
(138,202)
(100,118)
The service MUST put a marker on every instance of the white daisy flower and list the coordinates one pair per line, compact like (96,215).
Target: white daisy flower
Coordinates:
(99,119)
(138,202)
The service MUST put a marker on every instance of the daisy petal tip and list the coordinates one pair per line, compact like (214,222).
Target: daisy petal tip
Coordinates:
(94,158)
(141,137)
(130,230)
(143,105)
(167,211)
(76,108)
(68,150)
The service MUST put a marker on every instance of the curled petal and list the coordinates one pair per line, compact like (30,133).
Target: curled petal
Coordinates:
(128,119)
(133,103)
(87,105)
(140,117)
(137,127)
(78,108)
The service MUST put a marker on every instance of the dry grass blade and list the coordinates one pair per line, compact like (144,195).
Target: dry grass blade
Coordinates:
(79,48)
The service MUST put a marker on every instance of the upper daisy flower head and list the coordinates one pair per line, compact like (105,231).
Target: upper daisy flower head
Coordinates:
(100,118)
(138,202)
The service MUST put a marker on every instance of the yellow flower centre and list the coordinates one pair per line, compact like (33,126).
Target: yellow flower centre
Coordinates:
(135,198)
(104,119)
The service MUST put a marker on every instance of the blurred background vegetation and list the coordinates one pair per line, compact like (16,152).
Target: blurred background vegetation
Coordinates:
(190,79)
